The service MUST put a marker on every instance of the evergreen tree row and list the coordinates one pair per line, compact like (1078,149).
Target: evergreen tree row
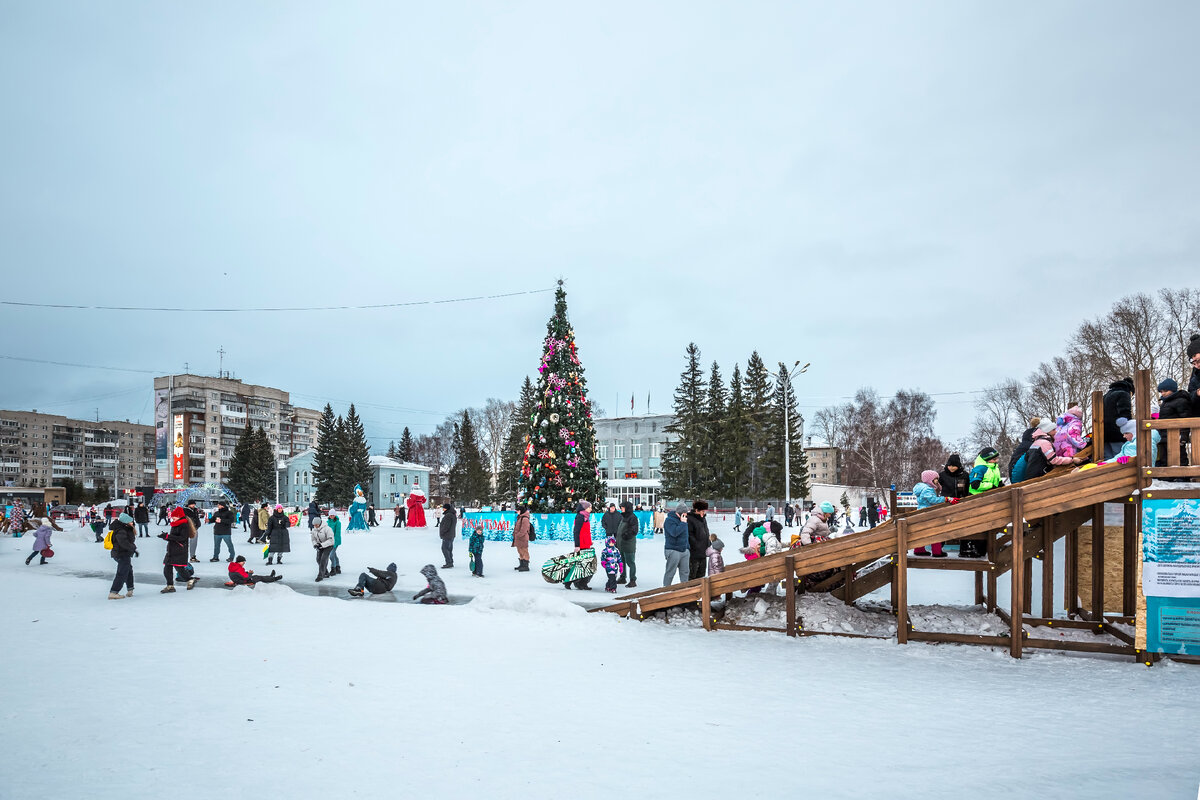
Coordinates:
(406,451)
(731,443)
(252,468)
(343,457)
(470,481)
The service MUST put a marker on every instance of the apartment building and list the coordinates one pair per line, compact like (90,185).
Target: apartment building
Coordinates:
(199,418)
(824,464)
(35,449)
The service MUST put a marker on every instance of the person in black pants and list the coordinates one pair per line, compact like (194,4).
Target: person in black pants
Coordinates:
(382,582)
(698,540)
(141,515)
(446,530)
(124,548)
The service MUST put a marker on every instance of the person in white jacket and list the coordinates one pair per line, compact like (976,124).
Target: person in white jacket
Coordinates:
(322,540)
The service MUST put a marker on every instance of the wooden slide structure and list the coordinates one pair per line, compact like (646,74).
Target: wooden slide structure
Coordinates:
(1019,522)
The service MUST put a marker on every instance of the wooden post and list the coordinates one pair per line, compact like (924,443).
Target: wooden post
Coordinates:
(993,550)
(901,581)
(1071,572)
(848,584)
(790,590)
(1097,427)
(1027,600)
(706,603)
(1049,531)
(1097,608)
(978,588)
(1017,577)
(1129,559)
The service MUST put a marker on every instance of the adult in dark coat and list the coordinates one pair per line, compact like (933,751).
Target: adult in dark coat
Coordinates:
(697,540)
(223,520)
(1193,354)
(247,522)
(141,515)
(872,512)
(371,521)
(278,539)
(1022,446)
(194,515)
(611,521)
(446,530)
(175,562)
(788,513)
(627,531)
(1118,404)
(314,511)
(124,548)
(955,481)
(1173,404)
(378,582)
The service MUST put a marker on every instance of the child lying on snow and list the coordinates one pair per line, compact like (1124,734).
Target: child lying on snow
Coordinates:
(240,576)
(435,592)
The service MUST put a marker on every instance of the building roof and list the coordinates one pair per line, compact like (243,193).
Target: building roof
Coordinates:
(384,461)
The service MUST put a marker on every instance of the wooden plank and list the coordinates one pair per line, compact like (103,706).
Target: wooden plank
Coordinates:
(1097,605)
(1049,534)
(1070,570)
(843,634)
(790,599)
(979,588)
(1073,624)
(1017,598)
(706,603)
(728,626)
(993,551)
(875,579)
(959,638)
(1161,425)
(1098,425)
(847,587)
(901,582)
(949,563)
(1079,647)
(1172,472)
(1129,560)
(1173,438)
(1114,631)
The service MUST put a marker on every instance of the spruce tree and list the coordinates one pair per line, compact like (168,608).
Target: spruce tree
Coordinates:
(238,480)
(342,489)
(392,452)
(513,452)
(758,396)
(469,481)
(712,438)
(357,454)
(559,466)
(682,458)
(735,452)
(406,452)
(262,465)
(324,473)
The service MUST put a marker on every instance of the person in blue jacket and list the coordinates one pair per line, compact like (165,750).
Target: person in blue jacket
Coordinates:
(675,531)
(928,497)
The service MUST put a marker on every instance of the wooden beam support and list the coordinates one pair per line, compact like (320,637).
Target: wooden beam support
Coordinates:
(1097,604)
(959,638)
(1129,556)
(790,598)
(848,585)
(959,564)
(979,588)
(1071,570)
(706,603)
(993,549)
(1049,531)
(1018,577)
(901,581)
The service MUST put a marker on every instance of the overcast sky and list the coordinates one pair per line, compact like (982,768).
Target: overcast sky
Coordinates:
(907,195)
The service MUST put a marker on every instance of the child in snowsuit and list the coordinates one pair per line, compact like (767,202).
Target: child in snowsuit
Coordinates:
(1068,433)
(382,582)
(927,496)
(475,550)
(240,576)
(716,564)
(434,592)
(41,542)
(613,564)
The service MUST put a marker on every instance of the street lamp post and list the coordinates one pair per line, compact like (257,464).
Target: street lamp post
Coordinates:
(787,434)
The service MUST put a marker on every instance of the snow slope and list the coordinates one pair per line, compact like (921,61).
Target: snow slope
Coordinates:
(520,693)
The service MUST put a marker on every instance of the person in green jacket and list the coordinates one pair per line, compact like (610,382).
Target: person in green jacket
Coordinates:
(985,474)
(335,525)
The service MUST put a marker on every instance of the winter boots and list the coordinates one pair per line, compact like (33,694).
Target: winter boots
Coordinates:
(523,566)
(115,596)
(129,593)
(31,557)
(167,590)
(192,582)
(632,585)
(355,591)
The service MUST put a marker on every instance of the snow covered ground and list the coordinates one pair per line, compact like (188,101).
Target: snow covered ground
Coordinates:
(295,690)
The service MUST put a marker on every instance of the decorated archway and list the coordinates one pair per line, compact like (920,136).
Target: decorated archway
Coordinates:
(203,493)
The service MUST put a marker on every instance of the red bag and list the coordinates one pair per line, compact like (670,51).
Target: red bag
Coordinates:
(47,553)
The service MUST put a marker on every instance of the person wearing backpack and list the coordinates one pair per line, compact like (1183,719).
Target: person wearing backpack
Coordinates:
(1022,446)
(124,548)
(1040,458)
(985,473)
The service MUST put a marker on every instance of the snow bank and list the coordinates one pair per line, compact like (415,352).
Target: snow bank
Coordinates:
(527,603)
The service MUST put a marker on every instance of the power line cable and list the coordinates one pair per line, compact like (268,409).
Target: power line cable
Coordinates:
(264,309)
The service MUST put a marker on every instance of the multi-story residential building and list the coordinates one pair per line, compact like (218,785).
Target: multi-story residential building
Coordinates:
(199,418)
(628,452)
(35,449)
(390,482)
(824,464)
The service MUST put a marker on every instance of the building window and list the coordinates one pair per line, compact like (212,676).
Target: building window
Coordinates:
(392,478)
(297,476)
(618,451)
(602,452)
(654,449)
(637,450)
(306,476)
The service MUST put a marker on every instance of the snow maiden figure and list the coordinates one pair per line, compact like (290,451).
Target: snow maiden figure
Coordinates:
(358,510)
(416,507)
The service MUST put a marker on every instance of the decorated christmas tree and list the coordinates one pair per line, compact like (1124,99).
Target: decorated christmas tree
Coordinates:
(559,467)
